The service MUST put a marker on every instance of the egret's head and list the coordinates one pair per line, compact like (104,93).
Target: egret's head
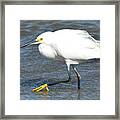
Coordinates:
(39,39)
(44,38)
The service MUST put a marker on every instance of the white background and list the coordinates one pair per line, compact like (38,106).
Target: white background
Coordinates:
(13,104)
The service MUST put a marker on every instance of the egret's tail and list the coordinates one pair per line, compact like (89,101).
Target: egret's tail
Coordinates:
(97,43)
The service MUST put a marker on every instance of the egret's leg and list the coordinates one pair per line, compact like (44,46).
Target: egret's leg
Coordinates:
(69,76)
(68,70)
(78,76)
(65,81)
(50,84)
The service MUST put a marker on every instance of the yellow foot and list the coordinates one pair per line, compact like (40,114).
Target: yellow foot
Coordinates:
(45,86)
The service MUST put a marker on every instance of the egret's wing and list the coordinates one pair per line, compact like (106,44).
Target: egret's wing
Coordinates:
(75,44)
(91,42)
(79,36)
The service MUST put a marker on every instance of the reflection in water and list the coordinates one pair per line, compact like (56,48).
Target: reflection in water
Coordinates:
(78,92)
(35,69)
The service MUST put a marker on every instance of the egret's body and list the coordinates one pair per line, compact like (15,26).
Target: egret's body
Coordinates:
(71,46)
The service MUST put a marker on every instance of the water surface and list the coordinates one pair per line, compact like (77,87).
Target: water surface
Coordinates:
(36,69)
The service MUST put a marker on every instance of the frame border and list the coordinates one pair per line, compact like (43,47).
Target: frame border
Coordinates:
(62,2)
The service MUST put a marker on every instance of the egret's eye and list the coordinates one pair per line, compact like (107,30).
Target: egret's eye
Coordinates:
(41,38)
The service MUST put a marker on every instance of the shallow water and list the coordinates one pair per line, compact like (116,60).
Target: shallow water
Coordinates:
(36,69)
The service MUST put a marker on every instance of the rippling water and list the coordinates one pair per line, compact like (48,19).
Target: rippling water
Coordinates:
(36,69)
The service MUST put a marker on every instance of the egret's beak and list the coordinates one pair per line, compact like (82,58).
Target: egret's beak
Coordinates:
(26,45)
(30,44)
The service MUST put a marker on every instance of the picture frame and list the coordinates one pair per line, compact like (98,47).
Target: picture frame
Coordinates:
(70,2)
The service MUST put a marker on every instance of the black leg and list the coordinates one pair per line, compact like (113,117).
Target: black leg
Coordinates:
(78,75)
(69,78)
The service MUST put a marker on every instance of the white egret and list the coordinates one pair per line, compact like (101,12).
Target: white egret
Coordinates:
(71,46)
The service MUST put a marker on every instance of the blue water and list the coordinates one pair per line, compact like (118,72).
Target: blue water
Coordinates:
(37,69)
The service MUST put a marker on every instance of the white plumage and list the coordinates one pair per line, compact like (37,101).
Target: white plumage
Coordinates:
(70,45)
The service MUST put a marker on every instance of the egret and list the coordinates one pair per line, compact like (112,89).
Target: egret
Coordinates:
(68,45)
